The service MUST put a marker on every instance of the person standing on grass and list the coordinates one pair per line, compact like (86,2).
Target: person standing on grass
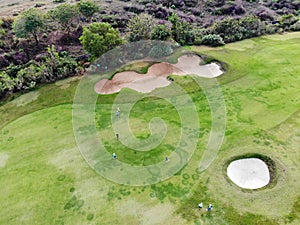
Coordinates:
(117,136)
(118,112)
(200,206)
(209,207)
(167,159)
(114,156)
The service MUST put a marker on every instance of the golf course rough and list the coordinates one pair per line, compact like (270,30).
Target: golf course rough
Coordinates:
(94,151)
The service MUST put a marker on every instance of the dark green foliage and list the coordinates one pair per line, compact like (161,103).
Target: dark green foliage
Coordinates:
(87,7)
(29,23)
(231,29)
(160,32)
(160,50)
(228,29)
(181,31)
(286,21)
(213,40)
(2,32)
(65,15)
(99,38)
(28,76)
(251,26)
(140,27)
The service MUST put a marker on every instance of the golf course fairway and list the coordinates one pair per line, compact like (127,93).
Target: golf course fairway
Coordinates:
(45,180)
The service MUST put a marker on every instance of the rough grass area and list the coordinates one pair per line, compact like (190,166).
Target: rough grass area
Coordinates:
(45,180)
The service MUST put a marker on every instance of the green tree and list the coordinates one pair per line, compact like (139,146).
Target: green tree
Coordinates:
(182,32)
(229,29)
(87,7)
(140,27)
(30,22)
(65,14)
(251,26)
(160,32)
(99,38)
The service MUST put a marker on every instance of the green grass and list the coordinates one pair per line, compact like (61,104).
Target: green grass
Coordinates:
(45,180)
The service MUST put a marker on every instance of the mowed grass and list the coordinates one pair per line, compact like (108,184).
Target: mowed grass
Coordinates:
(45,180)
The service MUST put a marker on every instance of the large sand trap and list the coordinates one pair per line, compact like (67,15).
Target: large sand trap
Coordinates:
(250,173)
(157,74)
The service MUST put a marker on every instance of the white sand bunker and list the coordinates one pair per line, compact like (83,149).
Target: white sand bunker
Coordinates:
(250,173)
(156,75)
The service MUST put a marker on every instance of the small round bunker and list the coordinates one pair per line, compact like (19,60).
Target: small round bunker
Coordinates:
(249,173)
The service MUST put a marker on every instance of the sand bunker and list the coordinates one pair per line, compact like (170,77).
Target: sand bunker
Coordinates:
(157,75)
(250,173)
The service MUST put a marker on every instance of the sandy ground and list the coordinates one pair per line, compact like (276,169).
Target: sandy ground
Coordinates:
(249,173)
(157,75)
(3,159)
(13,7)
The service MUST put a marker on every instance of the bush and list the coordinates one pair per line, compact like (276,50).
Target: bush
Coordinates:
(295,26)
(181,31)
(30,22)
(160,32)
(212,40)
(87,7)
(228,29)
(160,50)
(99,38)
(140,27)
(231,29)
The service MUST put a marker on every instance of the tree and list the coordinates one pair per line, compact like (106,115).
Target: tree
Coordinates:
(160,32)
(87,7)
(99,38)
(30,22)
(181,31)
(251,26)
(65,14)
(140,27)
(229,29)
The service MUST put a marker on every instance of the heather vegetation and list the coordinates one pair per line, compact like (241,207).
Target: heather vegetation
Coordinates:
(82,31)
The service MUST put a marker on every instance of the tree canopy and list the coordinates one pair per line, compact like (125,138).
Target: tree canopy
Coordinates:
(160,32)
(140,27)
(29,23)
(65,14)
(99,38)
(182,32)
(88,7)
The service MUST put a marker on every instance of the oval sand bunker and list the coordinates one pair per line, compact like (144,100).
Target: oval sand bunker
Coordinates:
(250,173)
